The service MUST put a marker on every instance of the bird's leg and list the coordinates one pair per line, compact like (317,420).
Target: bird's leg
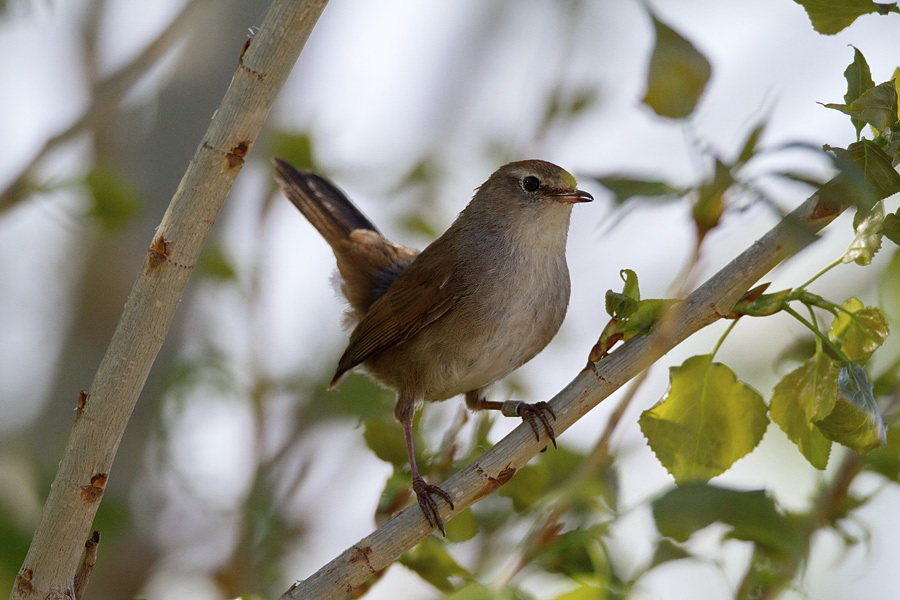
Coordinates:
(422,488)
(536,415)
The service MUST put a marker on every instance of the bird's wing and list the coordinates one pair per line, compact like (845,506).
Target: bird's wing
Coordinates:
(417,298)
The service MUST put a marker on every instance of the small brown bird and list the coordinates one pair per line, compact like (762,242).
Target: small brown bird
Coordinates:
(476,304)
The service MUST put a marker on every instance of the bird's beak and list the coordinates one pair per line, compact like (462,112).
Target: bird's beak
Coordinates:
(570,197)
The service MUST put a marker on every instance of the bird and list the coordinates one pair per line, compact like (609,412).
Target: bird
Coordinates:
(476,304)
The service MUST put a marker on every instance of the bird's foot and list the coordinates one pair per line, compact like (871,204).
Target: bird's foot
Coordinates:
(424,492)
(537,415)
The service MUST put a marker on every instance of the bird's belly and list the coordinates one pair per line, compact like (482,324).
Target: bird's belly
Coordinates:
(500,337)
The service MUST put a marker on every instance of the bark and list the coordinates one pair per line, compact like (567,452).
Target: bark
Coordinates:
(101,415)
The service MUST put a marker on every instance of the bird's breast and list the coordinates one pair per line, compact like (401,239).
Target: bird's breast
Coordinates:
(501,326)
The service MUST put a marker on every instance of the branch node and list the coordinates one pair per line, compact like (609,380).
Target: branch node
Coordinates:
(91,493)
(80,404)
(87,565)
(159,251)
(492,483)
(505,475)
(362,555)
(592,367)
(237,154)
(23,581)
(257,74)
(824,210)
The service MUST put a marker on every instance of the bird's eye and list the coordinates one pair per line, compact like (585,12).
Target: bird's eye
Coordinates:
(531,183)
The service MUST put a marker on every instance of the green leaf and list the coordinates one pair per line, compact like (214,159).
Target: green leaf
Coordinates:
(586,592)
(866,176)
(477,591)
(829,17)
(855,421)
(678,74)
(544,476)
(357,396)
(707,420)
(888,383)
(749,149)
(876,106)
(396,494)
(621,305)
(645,316)
(463,527)
(858,330)
(296,148)
(527,487)
(751,515)
(867,241)
(888,284)
(575,553)
(667,551)
(544,482)
(585,498)
(214,263)
(626,187)
(859,79)
(433,563)
(631,316)
(890,228)
(114,202)
(886,460)
(631,287)
(710,204)
(385,438)
(802,395)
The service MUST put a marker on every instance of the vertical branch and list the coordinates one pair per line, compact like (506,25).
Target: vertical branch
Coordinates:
(55,553)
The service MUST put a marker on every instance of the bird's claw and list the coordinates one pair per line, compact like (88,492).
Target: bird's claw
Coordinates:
(538,412)
(428,504)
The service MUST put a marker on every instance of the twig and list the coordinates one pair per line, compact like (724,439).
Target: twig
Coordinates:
(53,558)
(106,95)
(709,303)
(87,565)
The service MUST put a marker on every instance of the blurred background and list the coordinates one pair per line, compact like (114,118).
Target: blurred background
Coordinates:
(238,473)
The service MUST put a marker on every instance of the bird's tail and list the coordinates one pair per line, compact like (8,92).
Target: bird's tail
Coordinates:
(321,202)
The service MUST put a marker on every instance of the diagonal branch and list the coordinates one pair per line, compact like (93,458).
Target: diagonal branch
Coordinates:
(706,305)
(50,566)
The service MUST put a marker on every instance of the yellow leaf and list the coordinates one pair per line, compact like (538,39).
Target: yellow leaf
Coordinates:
(707,420)
(802,395)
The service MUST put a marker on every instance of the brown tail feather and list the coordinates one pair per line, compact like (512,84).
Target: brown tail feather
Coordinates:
(321,202)
(367,262)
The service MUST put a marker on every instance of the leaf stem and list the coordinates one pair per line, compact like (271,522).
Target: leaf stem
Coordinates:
(810,299)
(819,335)
(819,274)
(722,338)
